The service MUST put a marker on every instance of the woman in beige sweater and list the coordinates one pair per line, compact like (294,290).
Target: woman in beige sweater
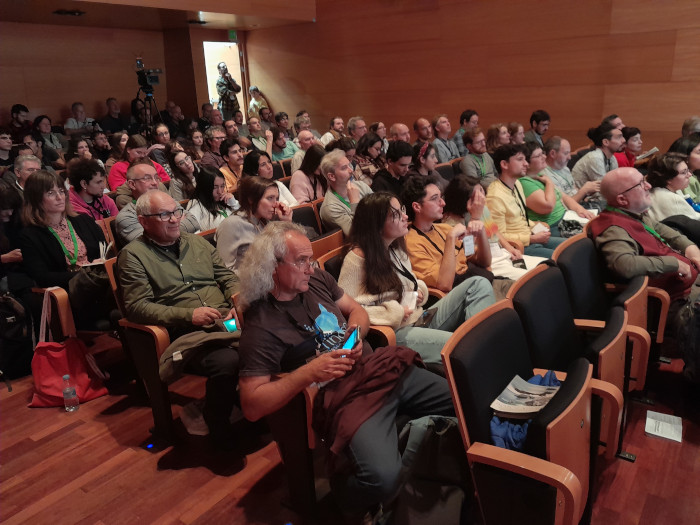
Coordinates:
(377,273)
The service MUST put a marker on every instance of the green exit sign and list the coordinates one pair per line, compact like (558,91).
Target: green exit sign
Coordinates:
(232,35)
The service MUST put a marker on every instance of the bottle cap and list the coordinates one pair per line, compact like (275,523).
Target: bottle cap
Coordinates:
(66,377)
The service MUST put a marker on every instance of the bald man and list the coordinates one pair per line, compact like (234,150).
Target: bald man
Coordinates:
(632,244)
(399,131)
(305,139)
(424,130)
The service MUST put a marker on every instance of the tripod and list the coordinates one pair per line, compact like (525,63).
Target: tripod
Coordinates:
(151,115)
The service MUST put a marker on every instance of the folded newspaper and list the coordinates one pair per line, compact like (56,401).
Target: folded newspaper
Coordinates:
(521,399)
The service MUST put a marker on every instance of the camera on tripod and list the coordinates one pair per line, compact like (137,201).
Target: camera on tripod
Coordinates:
(147,77)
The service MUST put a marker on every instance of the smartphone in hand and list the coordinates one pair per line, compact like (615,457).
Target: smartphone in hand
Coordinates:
(352,340)
(231,325)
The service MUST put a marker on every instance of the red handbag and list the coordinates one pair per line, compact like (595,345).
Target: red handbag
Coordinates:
(53,360)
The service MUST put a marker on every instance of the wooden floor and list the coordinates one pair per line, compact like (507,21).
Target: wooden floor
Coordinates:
(94,467)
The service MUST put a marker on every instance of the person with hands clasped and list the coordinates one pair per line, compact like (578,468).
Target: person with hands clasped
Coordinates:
(259,200)
(292,311)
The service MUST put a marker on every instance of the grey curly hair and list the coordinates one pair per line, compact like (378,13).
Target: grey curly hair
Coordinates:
(258,265)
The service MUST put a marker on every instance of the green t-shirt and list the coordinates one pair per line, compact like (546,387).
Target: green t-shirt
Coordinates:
(693,189)
(531,185)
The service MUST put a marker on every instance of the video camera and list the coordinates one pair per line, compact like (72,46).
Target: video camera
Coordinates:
(147,77)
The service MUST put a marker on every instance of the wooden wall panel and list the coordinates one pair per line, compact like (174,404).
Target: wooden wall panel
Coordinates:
(397,60)
(50,67)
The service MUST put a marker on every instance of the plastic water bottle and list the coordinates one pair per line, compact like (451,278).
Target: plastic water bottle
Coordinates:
(70,397)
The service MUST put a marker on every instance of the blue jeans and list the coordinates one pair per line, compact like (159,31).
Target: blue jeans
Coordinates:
(463,301)
(374,448)
(544,250)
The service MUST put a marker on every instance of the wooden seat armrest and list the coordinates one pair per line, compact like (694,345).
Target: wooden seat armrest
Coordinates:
(665,300)
(436,292)
(159,333)
(567,484)
(612,419)
(386,332)
(561,376)
(65,314)
(590,325)
(641,341)
(310,393)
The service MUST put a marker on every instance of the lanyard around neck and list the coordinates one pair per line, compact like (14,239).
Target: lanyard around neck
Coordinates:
(520,201)
(404,271)
(342,199)
(647,228)
(72,258)
(481,163)
(423,234)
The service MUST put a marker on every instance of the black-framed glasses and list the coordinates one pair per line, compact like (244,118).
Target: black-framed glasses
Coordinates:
(148,178)
(397,215)
(302,265)
(165,216)
(184,161)
(640,184)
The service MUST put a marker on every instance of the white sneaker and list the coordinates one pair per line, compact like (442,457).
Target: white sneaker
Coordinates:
(191,416)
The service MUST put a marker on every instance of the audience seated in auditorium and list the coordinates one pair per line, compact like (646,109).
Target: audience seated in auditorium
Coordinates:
(136,148)
(197,139)
(282,122)
(150,277)
(477,163)
(24,166)
(632,244)
(87,193)
(369,156)
(544,202)
(213,137)
(282,147)
(633,147)
(335,131)
(175,120)
(258,163)
(303,122)
(539,124)
(261,140)
(142,177)
(497,135)
(257,102)
(304,140)
(78,149)
(307,183)
(467,120)
(5,148)
(506,201)
(669,177)
(437,251)
(260,204)
(56,242)
(53,147)
(423,129)
(183,183)
(398,160)
(377,273)
(357,127)
(211,203)
(113,121)
(233,154)
(267,119)
(423,163)
(100,146)
(399,131)
(690,146)
(463,198)
(516,132)
(283,294)
(117,144)
(343,194)
(608,140)
(217,118)
(558,154)
(379,129)
(80,124)
(20,123)
(205,120)
(445,149)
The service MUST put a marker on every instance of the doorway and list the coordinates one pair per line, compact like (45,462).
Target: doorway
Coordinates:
(214,53)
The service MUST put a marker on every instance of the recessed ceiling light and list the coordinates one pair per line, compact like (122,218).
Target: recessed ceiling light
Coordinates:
(68,12)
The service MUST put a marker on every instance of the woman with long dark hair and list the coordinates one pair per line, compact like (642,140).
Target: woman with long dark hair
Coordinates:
(424,162)
(118,142)
(307,183)
(377,273)
(260,204)
(211,203)
(258,163)
(369,156)
(183,183)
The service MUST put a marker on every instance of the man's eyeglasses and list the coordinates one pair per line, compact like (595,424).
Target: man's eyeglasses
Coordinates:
(684,172)
(640,184)
(397,215)
(302,265)
(218,138)
(148,178)
(165,216)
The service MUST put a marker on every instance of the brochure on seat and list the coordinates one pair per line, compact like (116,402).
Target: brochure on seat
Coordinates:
(664,425)
(104,250)
(521,399)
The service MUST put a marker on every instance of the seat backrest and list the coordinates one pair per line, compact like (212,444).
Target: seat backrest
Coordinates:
(332,261)
(456,165)
(578,261)
(111,267)
(277,171)
(112,223)
(287,167)
(317,208)
(327,242)
(481,358)
(305,215)
(446,170)
(542,302)
(210,236)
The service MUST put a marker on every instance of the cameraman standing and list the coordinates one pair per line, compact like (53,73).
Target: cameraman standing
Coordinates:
(227,88)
